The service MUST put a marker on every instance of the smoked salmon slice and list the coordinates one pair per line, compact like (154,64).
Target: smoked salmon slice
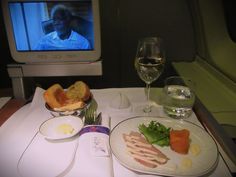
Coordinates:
(179,140)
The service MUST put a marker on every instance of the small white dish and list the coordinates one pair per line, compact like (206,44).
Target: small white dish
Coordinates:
(61,127)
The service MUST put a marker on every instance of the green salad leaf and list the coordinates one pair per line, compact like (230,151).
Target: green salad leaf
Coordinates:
(156,133)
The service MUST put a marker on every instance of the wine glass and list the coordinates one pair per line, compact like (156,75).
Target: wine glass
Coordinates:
(149,63)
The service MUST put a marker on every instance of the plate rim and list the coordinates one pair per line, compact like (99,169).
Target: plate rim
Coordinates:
(158,173)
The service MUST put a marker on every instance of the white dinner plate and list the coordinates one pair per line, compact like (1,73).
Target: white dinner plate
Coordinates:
(202,163)
(61,127)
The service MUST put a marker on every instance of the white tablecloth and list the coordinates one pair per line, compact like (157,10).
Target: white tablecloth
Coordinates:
(18,131)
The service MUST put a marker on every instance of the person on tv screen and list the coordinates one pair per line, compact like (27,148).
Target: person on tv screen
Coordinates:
(63,38)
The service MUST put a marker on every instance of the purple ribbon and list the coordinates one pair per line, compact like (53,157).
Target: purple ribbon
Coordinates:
(95,128)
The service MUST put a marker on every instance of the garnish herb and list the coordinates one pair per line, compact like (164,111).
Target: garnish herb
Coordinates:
(156,133)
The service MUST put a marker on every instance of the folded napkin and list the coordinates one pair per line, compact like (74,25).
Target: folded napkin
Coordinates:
(93,157)
(38,100)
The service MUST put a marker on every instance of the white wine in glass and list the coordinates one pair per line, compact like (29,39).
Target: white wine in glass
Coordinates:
(149,63)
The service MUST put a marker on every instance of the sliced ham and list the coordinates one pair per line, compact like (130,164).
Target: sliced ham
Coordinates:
(142,151)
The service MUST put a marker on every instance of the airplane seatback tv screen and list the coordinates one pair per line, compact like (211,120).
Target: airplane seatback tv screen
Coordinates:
(57,30)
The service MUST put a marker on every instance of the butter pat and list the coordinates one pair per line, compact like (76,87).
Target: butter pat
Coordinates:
(195,149)
(186,164)
(65,129)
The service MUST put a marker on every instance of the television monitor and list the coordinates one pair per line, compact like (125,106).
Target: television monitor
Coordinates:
(36,33)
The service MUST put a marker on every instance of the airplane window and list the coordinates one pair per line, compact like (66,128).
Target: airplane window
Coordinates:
(230,15)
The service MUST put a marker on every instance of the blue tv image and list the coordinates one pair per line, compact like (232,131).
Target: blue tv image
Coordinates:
(52,26)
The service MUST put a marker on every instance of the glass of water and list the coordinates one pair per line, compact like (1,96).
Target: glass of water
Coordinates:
(178,97)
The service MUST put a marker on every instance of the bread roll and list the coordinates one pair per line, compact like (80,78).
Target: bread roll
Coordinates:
(72,99)
(79,90)
(55,96)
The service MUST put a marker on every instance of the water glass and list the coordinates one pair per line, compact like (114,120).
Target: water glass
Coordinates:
(178,97)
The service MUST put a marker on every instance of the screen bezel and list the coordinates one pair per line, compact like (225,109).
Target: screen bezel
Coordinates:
(53,56)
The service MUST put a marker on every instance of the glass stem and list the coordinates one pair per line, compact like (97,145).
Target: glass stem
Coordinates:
(148,107)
